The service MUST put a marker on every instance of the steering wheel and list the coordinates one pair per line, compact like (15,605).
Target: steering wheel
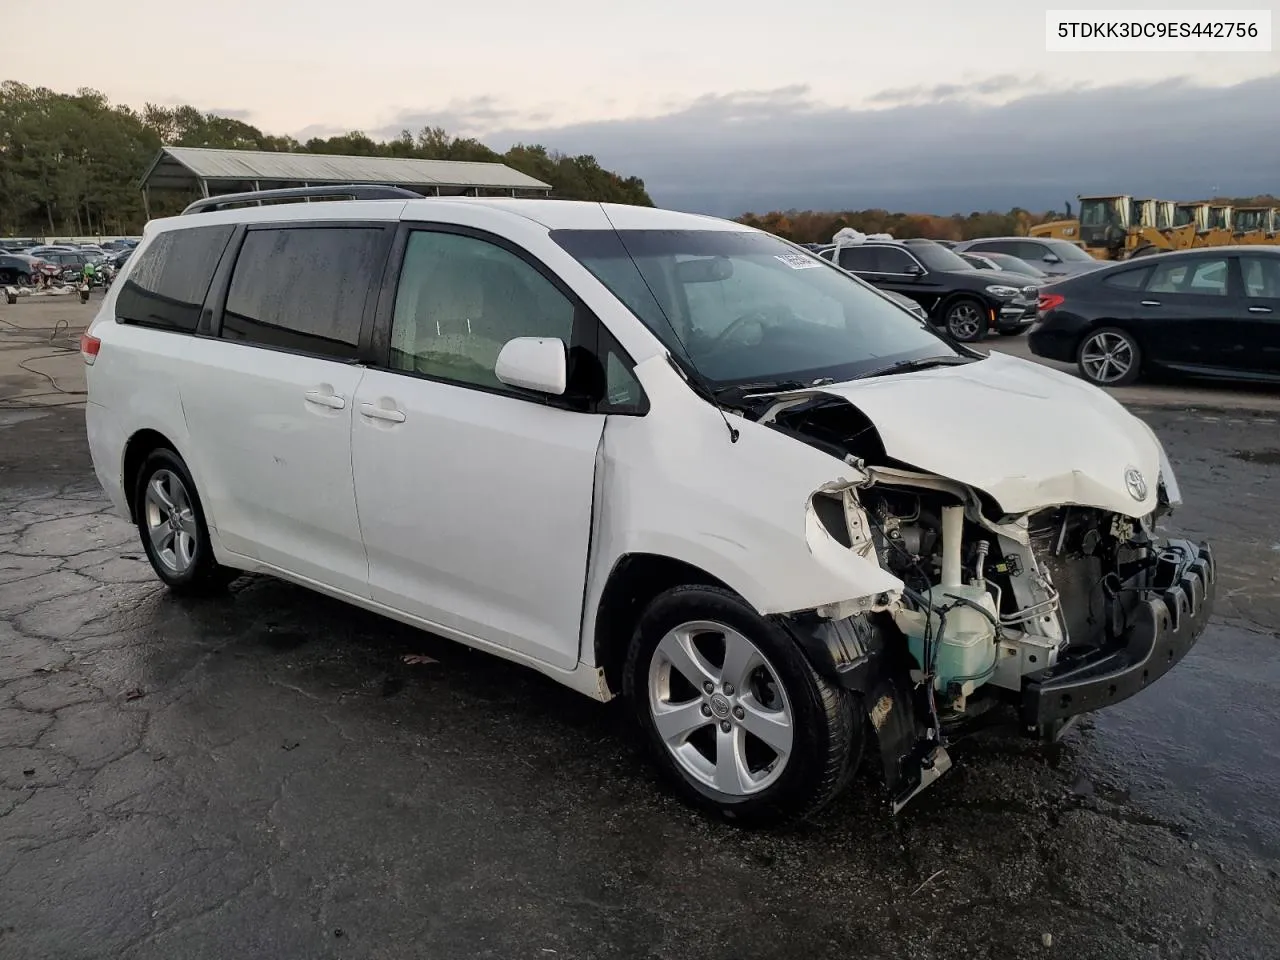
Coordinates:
(767,315)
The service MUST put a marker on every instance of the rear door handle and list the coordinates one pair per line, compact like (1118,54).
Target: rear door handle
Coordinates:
(374,412)
(1259,309)
(330,400)
(1151,303)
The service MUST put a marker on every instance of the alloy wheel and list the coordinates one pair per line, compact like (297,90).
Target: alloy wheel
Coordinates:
(170,521)
(1106,357)
(719,708)
(965,321)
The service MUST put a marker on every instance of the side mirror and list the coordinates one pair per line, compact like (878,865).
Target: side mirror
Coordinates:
(1052,258)
(914,270)
(534,363)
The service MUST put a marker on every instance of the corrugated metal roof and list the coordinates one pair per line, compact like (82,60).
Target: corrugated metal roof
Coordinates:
(181,166)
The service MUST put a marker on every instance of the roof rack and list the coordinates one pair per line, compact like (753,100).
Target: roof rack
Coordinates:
(348,191)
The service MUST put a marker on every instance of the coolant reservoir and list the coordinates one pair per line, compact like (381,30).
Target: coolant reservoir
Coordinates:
(967,653)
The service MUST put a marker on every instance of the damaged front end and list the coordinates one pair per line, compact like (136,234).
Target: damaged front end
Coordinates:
(1055,612)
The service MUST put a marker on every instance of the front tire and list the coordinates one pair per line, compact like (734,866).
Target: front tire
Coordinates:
(734,715)
(1109,357)
(966,320)
(172,527)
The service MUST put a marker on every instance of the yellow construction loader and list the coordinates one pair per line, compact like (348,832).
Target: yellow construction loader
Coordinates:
(1116,227)
(1255,225)
(1120,227)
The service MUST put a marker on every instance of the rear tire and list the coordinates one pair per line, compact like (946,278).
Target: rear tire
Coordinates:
(758,738)
(172,527)
(1109,357)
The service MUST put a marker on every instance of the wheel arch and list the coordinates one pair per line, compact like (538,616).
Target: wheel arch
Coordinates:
(136,450)
(1107,322)
(634,582)
(946,302)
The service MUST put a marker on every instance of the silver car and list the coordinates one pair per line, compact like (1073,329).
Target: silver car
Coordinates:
(1057,258)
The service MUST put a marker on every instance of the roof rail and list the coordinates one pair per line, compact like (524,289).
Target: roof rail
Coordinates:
(348,191)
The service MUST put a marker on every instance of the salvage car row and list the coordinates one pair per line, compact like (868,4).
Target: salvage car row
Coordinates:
(1208,312)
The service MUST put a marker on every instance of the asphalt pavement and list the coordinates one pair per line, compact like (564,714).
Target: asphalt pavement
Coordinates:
(272,774)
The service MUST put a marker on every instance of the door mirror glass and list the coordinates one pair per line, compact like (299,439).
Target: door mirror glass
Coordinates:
(534,363)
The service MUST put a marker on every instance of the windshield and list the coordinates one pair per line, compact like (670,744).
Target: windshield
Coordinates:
(746,307)
(1067,251)
(1184,214)
(937,257)
(1101,213)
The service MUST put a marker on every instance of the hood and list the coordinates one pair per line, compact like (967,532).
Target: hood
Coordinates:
(1006,277)
(1029,436)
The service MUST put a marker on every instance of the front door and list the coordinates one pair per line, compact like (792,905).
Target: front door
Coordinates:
(475,498)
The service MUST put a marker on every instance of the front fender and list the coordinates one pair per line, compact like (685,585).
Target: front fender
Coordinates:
(674,484)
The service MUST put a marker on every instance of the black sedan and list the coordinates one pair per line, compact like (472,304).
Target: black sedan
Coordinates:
(1211,312)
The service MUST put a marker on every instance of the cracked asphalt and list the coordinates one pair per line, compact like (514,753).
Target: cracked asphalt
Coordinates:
(262,775)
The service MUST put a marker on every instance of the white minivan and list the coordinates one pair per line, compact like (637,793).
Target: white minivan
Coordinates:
(646,453)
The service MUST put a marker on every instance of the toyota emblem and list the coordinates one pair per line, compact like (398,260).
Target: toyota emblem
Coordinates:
(1136,482)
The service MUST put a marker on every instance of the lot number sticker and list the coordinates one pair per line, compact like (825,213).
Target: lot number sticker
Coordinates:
(797,261)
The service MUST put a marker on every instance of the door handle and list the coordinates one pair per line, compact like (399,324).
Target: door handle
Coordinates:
(330,400)
(1259,309)
(374,412)
(1151,303)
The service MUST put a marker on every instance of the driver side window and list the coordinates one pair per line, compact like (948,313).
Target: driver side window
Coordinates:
(460,299)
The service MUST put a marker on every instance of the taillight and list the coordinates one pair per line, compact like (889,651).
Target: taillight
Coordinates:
(89,347)
(1050,301)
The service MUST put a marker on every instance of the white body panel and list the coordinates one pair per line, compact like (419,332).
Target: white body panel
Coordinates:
(476,510)
(275,447)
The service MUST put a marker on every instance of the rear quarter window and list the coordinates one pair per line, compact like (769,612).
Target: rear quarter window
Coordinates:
(167,285)
(1127,279)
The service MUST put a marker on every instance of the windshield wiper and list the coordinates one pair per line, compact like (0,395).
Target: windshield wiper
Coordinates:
(738,393)
(921,363)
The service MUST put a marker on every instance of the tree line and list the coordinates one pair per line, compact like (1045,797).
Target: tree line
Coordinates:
(815,226)
(70,163)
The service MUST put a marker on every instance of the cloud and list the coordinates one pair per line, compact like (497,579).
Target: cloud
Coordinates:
(320,131)
(942,151)
(232,114)
(468,117)
(1002,84)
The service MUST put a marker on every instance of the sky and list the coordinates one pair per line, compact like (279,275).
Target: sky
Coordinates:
(721,107)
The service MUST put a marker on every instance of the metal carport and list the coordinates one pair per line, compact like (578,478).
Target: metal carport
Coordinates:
(213,172)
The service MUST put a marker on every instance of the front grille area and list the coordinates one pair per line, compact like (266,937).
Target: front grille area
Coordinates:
(1074,547)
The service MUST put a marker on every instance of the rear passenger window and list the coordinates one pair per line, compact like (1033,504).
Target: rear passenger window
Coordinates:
(858,259)
(168,283)
(1127,279)
(304,288)
(1206,277)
